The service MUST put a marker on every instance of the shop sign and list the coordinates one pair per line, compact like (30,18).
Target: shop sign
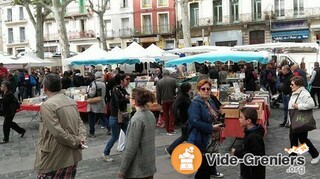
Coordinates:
(289,25)
(291,37)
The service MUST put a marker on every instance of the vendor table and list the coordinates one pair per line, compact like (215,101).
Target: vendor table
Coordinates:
(233,128)
(33,109)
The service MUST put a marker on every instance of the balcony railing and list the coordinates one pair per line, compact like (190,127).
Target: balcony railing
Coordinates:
(110,34)
(250,17)
(15,21)
(151,30)
(51,37)
(125,33)
(17,41)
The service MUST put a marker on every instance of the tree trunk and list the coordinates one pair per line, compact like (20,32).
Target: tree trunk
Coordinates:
(103,39)
(39,32)
(63,39)
(185,23)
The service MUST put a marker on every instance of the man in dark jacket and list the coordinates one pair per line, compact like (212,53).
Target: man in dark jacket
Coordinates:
(315,83)
(252,144)
(166,94)
(180,111)
(286,91)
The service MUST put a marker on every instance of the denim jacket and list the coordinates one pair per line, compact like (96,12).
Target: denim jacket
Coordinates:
(200,121)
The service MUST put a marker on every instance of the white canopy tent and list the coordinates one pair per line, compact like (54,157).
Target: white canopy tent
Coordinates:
(199,49)
(286,46)
(136,51)
(92,53)
(32,60)
(156,52)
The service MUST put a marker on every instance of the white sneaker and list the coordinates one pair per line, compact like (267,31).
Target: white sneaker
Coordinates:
(315,160)
(172,133)
(107,158)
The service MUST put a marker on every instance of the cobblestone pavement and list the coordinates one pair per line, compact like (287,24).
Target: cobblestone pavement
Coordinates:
(17,157)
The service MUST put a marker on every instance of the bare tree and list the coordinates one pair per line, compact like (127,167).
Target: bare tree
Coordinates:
(58,8)
(100,10)
(37,21)
(185,23)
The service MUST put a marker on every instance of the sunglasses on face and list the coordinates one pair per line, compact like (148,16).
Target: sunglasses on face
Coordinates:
(205,89)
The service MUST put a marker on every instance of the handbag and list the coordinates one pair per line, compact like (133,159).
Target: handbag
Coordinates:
(214,144)
(301,120)
(122,116)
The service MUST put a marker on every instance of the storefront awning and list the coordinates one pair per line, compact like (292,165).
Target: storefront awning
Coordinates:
(290,35)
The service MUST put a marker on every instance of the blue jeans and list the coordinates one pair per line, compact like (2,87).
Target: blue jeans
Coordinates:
(285,100)
(174,144)
(115,132)
(92,118)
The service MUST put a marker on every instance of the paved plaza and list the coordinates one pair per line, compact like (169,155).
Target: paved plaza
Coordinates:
(17,157)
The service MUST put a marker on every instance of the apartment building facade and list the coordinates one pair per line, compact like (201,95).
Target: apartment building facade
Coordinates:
(237,22)
(155,22)
(82,25)
(15,27)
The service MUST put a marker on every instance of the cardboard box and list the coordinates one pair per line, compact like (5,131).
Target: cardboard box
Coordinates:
(231,113)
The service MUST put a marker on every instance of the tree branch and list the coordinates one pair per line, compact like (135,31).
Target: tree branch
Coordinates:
(43,4)
(91,7)
(30,15)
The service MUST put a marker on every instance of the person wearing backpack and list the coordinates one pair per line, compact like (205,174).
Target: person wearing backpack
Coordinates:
(9,107)
(97,88)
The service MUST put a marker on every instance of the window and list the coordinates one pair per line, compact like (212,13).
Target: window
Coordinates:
(257,10)
(21,16)
(298,7)
(163,23)
(146,24)
(22,34)
(125,31)
(279,7)
(163,3)
(10,35)
(124,3)
(217,11)
(194,14)
(108,5)
(82,6)
(145,3)
(257,37)
(170,44)
(234,10)
(9,15)
(108,28)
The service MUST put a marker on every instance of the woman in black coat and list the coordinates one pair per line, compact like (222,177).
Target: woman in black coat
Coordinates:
(9,105)
(250,78)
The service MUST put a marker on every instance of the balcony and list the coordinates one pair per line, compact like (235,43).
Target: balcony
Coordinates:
(308,13)
(81,34)
(51,37)
(13,42)
(111,34)
(15,21)
(124,33)
(154,30)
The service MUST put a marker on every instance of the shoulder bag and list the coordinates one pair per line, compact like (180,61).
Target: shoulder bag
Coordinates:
(301,120)
(97,98)
(122,115)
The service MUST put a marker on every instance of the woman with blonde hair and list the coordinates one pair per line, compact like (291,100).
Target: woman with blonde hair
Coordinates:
(139,159)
